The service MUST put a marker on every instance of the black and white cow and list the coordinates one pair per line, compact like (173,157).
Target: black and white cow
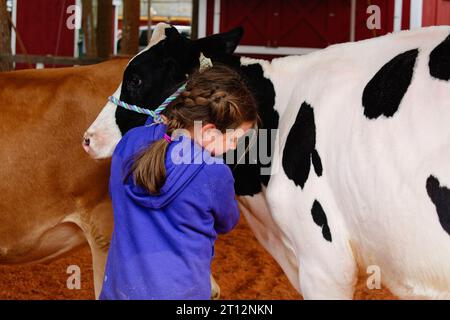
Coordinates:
(360,174)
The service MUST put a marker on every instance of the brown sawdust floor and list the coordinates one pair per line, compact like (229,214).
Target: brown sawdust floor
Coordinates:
(243,269)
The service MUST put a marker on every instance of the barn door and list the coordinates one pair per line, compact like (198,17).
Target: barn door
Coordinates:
(253,15)
(279,23)
(41,25)
(313,24)
(302,23)
(436,12)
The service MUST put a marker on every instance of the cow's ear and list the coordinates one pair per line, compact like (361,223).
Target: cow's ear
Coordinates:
(220,43)
(159,33)
(175,44)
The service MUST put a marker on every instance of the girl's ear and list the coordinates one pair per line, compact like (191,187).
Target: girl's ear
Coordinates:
(208,127)
(208,131)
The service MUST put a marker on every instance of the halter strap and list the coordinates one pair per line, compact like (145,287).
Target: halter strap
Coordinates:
(167,138)
(155,114)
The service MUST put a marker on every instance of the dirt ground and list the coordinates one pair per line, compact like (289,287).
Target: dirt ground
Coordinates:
(243,269)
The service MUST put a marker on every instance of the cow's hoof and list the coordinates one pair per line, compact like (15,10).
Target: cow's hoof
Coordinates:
(215,289)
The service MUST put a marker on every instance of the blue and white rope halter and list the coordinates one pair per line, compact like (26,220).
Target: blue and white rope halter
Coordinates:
(155,114)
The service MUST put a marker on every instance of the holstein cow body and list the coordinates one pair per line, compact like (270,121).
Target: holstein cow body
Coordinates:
(360,169)
(53,198)
(363,169)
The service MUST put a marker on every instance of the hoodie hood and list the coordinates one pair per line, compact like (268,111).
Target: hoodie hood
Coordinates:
(184,160)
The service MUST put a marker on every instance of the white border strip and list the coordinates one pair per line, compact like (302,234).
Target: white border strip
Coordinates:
(353,21)
(217,6)
(202,18)
(76,31)
(116,5)
(416,14)
(282,51)
(398,15)
(13,33)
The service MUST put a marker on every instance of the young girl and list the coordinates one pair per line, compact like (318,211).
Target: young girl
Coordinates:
(167,212)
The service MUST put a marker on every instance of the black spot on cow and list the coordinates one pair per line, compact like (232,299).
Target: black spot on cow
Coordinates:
(384,92)
(317,163)
(246,179)
(440,61)
(264,93)
(300,149)
(320,218)
(440,196)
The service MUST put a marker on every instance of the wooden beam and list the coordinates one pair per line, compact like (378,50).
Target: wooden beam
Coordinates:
(51,60)
(89,29)
(194,24)
(104,28)
(5,36)
(149,20)
(130,30)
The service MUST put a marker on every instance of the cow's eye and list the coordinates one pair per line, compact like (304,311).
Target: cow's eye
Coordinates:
(135,81)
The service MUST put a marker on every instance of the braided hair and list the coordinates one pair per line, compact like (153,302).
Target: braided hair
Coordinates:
(219,96)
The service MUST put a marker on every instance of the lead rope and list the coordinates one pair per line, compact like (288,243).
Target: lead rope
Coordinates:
(155,114)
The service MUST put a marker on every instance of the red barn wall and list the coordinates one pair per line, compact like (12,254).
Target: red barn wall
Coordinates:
(301,23)
(210,17)
(406,14)
(41,25)
(436,12)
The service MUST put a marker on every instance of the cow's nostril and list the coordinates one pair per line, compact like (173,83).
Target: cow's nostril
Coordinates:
(87,141)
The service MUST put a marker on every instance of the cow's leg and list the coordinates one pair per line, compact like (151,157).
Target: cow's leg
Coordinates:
(321,279)
(313,225)
(100,226)
(215,289)
(266,231)
(97,225)
(99,255)
(328,268)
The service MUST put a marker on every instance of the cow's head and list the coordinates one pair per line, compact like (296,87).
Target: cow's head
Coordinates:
(149,78)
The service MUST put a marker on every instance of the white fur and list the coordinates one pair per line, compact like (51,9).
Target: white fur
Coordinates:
(373,185)
(104,134)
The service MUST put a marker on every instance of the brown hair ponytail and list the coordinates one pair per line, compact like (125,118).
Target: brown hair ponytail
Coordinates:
(219,96)
(153,175)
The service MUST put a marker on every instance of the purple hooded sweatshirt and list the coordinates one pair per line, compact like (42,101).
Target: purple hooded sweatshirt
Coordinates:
(162,245)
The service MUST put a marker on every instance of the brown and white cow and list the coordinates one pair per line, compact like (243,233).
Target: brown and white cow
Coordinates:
(53,197)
